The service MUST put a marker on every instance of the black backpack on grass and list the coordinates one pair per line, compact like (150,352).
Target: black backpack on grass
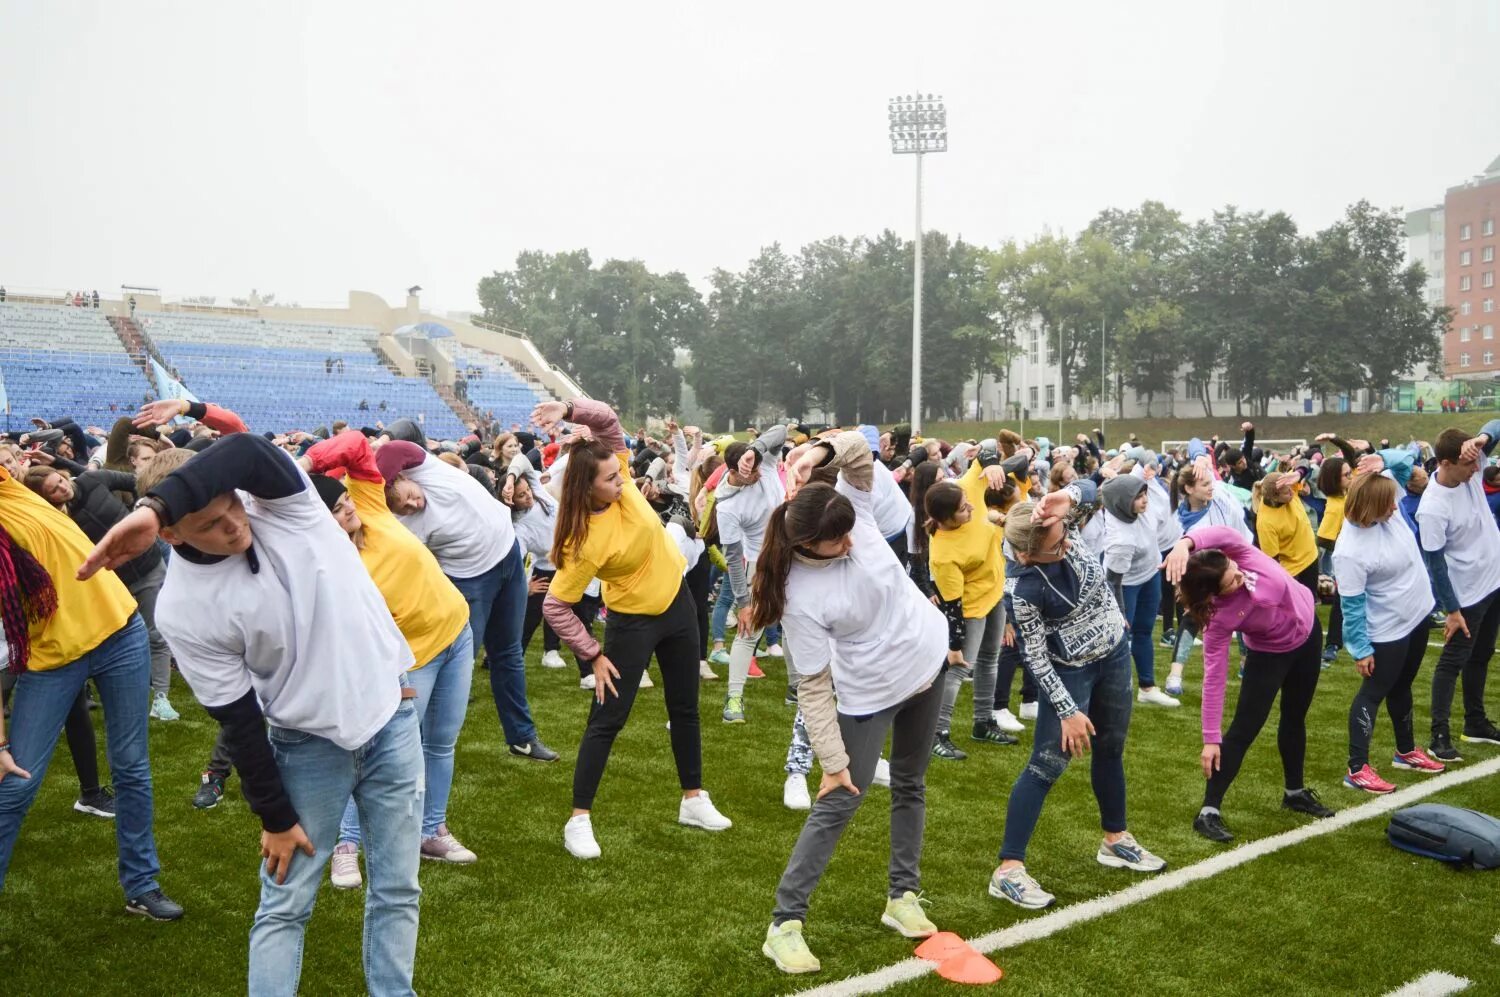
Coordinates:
(1448,834)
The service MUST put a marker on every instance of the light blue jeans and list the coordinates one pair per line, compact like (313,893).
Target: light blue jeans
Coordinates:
(121,669)
(442,700)
(385,776)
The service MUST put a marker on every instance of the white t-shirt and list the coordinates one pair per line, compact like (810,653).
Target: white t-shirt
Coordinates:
(1382,562)
(893,512)
(466,529)
(1159,509)
(742,516)
(1129,549)
(309,632)
(1459,520)
(535,529)
(861,614)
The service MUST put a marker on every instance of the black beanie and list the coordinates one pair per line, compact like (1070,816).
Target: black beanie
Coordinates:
(330,490)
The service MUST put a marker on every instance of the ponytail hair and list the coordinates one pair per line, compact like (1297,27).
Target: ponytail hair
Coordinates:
(818,513)
(922,479)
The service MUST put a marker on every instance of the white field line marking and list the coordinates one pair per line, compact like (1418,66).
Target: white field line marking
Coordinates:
(1432,985)
(1066,917)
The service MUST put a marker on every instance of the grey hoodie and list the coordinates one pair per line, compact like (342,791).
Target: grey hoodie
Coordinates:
(1118,495)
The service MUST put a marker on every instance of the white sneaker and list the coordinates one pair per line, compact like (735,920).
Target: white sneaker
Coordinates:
(706,673)
(1028,711)
(587,682)
(794,794)
(552,660)
(882,774)
(343,871)
(646,682)
(699,811)
(578,838)
(161,708)
(1007,721)
(775,651)
(1156,697)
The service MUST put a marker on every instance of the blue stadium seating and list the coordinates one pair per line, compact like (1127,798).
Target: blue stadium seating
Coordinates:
(58,361)
(497,389)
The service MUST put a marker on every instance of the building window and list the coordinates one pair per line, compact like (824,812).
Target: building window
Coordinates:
(1463,334)
(1051,396)
(1488,280)
(1489,358)
(1463,360)
(1489,332)
(1466,231)
(1464,283)
(1489,226)
(1463,308)
(1224,393)
(1437,256)
(1052,349)
(1036,356)
(1032,400)
(1487,254)
(1489,304)
(1466,257)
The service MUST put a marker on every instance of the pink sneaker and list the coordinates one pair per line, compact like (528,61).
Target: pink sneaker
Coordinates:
(755,672)
(1417,760)
(1368,780)
(444,847)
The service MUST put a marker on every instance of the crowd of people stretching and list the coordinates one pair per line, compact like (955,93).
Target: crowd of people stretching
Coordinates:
(324,595)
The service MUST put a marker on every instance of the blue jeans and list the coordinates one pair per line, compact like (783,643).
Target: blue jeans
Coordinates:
(121,669)
(1142,602)
(497,609)
(722,605)
(1102,691)
(385,776)
(442,699)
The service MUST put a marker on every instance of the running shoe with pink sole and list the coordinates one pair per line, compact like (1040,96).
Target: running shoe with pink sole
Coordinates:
(1417,760)
(1368,780)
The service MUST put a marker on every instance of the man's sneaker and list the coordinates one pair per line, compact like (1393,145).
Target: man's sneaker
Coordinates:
(646,682)
(154,904)
(1006,721)
(1028,710)
(98,802)
(775,651)
(734,709)
(1169,638)
(1443,750)
(784,946)
(1020,889)
(1330,654)
(587,682)
(343,871)
(1417,760)
(552,659)
(535,750)
(1305,801)
(1174,685)
(444,847)
(1156,697)
(706,673)
(699,811)
(1127,853)
(1368,780)
(1484,732)
(755,672)
(719,657)
(905,914)
(943,747)
(578,838)
(161,708)
(882,774)
(991,733)
(791,695)
(1211,826)
(210,792)
(794,795)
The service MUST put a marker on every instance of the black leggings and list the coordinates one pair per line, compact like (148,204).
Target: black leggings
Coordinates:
(1294,674)
(586,609)
(697,583)
(629,641)
(1396,665)
(1171,611)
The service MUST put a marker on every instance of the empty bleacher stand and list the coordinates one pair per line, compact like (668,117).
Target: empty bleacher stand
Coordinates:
(60,361)
(491,385)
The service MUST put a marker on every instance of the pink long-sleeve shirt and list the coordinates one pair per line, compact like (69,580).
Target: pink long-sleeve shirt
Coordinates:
(1272,610)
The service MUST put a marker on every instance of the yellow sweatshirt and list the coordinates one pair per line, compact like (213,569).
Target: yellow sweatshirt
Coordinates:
(968,562)
(1286,535)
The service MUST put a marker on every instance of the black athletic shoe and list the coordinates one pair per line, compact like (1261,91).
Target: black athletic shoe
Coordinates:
(1211,826)
(791,696)
(97,802)
(1443,750)
(1484,732)
(156,905)
(992,734)
(210,792)
(1169,638)
(535,750)
(1305,801)
(943,747)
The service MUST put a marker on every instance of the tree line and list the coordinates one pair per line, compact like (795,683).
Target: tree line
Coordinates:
(1242,297)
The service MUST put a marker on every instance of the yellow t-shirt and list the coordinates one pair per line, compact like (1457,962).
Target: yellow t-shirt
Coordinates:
(969,561)
(1286,535)
(87,612)
(1333,518)
(628,550)
(429,610)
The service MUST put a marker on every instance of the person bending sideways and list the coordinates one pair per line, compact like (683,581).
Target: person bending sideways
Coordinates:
(61,631)
(1072,633)
(852,620)
(1131,559)
(272,617)
(1229,587)
(1462,550)
(607,529)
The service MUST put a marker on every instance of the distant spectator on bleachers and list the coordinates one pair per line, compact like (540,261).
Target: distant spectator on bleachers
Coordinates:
(132,306)
(96,299)
(2,294)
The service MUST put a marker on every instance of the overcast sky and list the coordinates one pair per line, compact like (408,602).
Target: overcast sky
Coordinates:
(308,148)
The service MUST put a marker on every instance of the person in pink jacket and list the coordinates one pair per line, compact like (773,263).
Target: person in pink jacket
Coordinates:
(1227,586)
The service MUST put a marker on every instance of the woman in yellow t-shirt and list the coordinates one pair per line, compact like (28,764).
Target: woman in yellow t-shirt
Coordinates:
(1283,530)
(607,529)
(1333,482)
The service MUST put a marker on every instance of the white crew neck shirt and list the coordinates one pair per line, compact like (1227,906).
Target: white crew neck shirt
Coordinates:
(1382,563)
(465,527)
(742,516)
(1459,520)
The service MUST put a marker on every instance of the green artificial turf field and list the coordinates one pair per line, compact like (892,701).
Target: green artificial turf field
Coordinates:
(669,910)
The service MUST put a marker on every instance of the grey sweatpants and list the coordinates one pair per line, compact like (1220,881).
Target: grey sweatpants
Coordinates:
(145,590)
(910,724)
(982,637)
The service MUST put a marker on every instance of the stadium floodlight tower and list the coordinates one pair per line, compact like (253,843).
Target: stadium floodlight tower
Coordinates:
(919,125)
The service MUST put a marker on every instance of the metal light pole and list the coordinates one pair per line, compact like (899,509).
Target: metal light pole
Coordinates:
(919,124)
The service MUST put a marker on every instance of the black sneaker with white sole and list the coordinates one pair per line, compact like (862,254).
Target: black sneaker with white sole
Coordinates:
(943,747)
(1443,750)
(210,792)
(154,904)
(991,733)
(1211,826)
(97,802)
(1305,801)
(535,750)
(1484,732)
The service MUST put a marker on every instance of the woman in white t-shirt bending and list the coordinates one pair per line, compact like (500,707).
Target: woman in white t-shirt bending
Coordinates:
(1131,559)
(852,619)
(1387,602)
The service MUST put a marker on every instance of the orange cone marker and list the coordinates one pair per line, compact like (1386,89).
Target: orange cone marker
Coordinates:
(942,946)
(970,967)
